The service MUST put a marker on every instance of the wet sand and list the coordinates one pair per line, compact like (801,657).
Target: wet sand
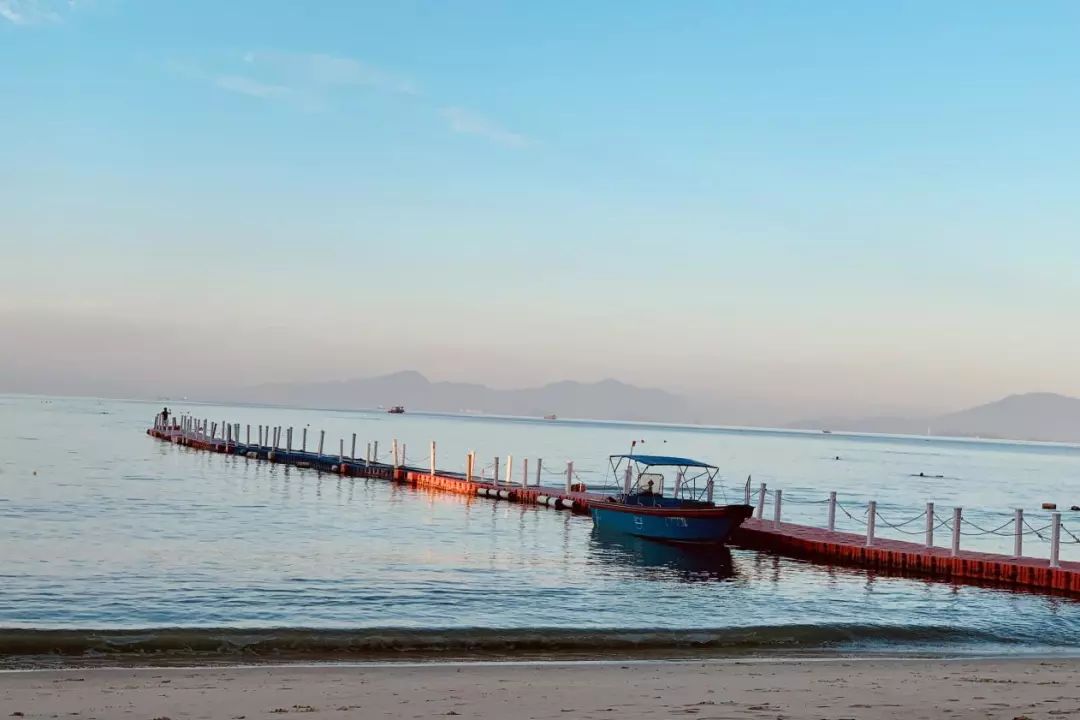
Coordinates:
(833,689)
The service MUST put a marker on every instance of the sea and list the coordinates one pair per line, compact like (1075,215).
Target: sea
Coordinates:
(114,544)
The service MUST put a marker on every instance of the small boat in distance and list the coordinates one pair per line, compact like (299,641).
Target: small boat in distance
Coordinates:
(550,417)
(687,515)
(396,410)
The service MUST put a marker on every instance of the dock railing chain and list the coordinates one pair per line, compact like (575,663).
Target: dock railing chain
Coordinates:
(844,510)
(1075,540)
(983,531)
(1037,533)
(900,526)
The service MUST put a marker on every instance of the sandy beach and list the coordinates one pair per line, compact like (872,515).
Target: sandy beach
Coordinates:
(825,689)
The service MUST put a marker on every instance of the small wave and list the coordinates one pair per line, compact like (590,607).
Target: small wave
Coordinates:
(21,646)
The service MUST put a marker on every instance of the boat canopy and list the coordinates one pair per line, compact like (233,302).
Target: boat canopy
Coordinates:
(636,474)
(669,460)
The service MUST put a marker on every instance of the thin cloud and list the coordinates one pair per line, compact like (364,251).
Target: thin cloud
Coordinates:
(467,122)
(34,12)
(311,81)
(322,72)
(252,88)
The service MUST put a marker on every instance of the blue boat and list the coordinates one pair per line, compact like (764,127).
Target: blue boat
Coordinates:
(687,515)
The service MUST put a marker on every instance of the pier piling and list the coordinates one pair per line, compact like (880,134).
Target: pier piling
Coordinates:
(957,516)
(1055,539)
(1018,533)
(871,520)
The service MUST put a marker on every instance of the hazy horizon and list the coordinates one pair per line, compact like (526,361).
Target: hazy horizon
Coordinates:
(812,211)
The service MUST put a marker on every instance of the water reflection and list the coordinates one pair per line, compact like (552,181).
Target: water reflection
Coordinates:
(662,561)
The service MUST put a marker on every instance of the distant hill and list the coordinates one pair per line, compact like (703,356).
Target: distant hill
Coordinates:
(1032,416)
(607,399)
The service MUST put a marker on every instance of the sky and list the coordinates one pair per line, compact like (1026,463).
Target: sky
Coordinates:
(815,208)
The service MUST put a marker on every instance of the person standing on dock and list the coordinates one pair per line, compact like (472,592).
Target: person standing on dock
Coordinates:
(165,416)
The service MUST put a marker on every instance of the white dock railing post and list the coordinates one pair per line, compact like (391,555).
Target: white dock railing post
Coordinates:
(469,466)
(352,454)
(779,496)
(394,451)
(628,478)
(832,510)
(525,473)
(539,464)
(495,472)
(288,441)
(871,522)
(341,455)
(303,441)
(929,524)
(957,514)
(375,449)
(761,502)
(433,458)
(709,488)
(322,436)
(367,457)
(1055,540)
(1018,534)
(569,474)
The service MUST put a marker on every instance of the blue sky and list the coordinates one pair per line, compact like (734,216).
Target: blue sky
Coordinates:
(869,204)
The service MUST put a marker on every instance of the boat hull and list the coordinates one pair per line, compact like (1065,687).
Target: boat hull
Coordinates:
(698,525)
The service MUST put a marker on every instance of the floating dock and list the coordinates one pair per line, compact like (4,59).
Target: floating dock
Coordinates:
(800,541)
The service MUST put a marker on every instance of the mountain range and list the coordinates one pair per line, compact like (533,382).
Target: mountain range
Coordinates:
(607,399)
(1040,416)
(1030,416)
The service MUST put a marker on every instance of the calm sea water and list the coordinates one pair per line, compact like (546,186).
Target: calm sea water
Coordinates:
(104,527)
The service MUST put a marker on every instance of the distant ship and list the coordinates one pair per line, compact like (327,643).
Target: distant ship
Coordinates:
(396,410)
(550,417)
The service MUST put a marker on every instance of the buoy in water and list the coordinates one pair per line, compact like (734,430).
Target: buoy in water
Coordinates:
(1049,506)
